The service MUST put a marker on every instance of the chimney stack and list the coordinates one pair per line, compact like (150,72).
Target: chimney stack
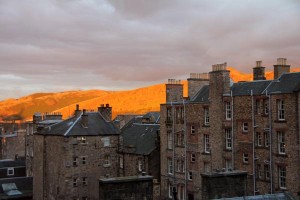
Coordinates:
(196,82)
(219,81)
(259,71)
(105,111)
(84,119)
(77,111)
(174,91)
(281,67)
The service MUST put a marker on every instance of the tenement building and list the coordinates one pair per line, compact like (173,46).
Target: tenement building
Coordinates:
(226,129)
(71,156)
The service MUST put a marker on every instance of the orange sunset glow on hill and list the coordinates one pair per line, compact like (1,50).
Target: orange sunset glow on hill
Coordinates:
(137,101)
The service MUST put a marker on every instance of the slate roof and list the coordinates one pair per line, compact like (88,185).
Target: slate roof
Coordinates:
(152,115)
(73,127)
(202,95)
(12,163)
(286,83)
(244,88)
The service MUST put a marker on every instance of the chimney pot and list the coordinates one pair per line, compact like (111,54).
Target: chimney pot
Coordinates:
(77,106)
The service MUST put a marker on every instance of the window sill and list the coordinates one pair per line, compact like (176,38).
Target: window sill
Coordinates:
(106,165)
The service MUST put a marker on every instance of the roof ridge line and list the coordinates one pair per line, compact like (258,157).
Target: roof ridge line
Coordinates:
(69,129)
(266,89)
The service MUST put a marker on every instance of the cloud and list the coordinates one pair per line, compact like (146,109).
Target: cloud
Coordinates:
(113,44)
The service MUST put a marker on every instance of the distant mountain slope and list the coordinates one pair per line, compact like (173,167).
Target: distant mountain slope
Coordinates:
(137,101)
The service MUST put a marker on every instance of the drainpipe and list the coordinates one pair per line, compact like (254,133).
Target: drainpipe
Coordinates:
(185,148)
(270,143)
(253,144)
(232,134)
(173,143)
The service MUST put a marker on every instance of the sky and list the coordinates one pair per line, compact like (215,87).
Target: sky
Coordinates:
(59,45)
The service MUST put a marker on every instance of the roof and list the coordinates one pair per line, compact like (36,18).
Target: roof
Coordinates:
(202,95)
(152,116)
(12,188)
(97,125)
(286,83)
(278,196)
(12,163)
(245,88)
(126,179)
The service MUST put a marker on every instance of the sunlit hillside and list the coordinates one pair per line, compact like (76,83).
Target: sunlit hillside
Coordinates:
(137,101)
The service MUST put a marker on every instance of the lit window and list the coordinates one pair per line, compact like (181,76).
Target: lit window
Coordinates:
(228,141)
(245,127)
(10,171)
(245,158)
(84,180)
(170,166)
(281,142)
(193,157)
(280,111)
(228,110)
(258,139)
(206,116)
(266,136)
(170,140)
(193,130)
(206,144)
(282,177)
(190,175)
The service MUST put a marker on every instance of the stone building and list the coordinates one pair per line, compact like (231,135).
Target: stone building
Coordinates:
(140,149)
(225,126)
(70,156)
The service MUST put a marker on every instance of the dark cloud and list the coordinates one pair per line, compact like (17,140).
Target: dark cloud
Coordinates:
(53,45)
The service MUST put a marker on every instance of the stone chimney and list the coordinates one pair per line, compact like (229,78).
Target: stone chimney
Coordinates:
(259,71)
(37,117)
(281,67)
(84,119)
(219,81)
(174,91)
(196,82)
(105,111)
(77,112)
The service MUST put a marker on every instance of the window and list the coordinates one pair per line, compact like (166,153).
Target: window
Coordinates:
(257,106)
(280,111)
(266,136)
(82,139)
(282,177)
(169,114)
(84,160)
(84,180)
(258,171)
(267,172)
(121,163)
(170,191)
(206,167)
(206,144)
(228,164)
(190,175)
(228,140)
(258,139)
(206,116)
(266,107)
(140,165)
(180,166)
(180,113)
(245,158)
(193,157)
(170,140)
(10,171)
(75,184)
(228,110)
(245,127)
(75,161)
(180,139)
(106,161)
(180,192)
(281,142)
(106,141)
(170,166)
(193,130)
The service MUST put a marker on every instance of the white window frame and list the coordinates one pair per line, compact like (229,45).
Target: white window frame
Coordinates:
(106,141)
(82,139)
(228,164)
(245,158)
(170,166)
(140,165)
(258,139)
(228,140)
(281,142)
(193,130)
(267,139)
(10,171)
(245,127)
(228,110)
(206,143)
(190,176)
(170,190)
(121,162)
(280,110)
(206,116)
(170,140)
(106,161)
(282,177)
